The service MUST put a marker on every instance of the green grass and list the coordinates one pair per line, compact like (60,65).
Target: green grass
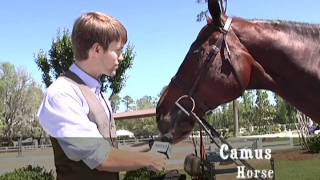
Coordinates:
(298,170)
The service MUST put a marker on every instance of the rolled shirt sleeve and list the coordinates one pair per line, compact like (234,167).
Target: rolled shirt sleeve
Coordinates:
(92,151)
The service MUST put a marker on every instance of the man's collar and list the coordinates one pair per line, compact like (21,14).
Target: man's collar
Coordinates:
(90,81)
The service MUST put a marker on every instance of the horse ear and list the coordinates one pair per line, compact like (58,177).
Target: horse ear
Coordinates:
(215,11)
(209,19)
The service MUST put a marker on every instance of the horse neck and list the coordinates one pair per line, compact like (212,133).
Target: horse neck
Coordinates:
(289,57)
(281,48)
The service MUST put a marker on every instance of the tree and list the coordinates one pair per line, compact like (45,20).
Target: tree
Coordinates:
(145,126)
(115,102)
(128,102)
(141,127)
(284,112)
(35,98)
(20,99)
(146,102)
(227,115)
(61,58)
(201,16)
(263,111)
(247,109)
(215,118)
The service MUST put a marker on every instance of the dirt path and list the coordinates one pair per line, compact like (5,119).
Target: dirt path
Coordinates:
(39,157)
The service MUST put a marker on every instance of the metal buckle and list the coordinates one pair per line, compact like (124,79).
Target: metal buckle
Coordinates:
(215,48)
(184,109)
(227,25)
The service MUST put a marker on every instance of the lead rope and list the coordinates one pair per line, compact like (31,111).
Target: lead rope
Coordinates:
(194,145)
(202,152)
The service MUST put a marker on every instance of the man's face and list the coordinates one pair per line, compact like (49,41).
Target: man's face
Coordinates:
(110,59)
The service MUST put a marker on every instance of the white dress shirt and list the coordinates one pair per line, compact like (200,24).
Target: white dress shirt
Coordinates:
(63,114)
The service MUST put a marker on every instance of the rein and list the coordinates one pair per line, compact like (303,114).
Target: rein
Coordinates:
(213,134)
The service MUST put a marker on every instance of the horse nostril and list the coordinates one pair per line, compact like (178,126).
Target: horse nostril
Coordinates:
(163,125)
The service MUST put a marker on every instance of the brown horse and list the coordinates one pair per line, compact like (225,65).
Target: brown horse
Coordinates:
(280,56)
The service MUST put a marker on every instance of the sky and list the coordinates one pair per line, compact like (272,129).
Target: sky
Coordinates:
(161,31)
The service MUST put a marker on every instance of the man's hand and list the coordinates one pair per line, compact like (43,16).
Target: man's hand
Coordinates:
(122,160)
(157,161)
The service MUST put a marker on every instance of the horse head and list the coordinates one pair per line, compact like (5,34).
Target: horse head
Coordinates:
(216,70)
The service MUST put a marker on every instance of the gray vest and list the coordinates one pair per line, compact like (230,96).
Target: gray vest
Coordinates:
(67,169)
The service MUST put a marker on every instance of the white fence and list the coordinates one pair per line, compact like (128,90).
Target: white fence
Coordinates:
(23,148)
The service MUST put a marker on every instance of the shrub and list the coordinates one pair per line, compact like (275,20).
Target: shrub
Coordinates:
(141,174)
(145,174)
(28,173)
(276,129)
(314,143)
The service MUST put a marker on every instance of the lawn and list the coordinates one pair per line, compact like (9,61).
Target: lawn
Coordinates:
(298,170)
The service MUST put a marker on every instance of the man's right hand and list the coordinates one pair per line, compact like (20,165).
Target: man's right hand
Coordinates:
(121,160)
(157,161)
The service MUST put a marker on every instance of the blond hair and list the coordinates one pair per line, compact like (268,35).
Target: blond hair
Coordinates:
(95,27)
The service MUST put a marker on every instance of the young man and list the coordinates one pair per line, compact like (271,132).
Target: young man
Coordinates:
(84,146)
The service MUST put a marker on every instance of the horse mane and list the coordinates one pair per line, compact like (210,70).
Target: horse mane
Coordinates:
(307,30)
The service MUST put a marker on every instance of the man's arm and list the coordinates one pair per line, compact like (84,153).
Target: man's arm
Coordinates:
(122,160)
(63,116)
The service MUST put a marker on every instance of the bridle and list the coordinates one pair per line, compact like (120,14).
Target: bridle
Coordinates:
(204,68)
(190,95)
